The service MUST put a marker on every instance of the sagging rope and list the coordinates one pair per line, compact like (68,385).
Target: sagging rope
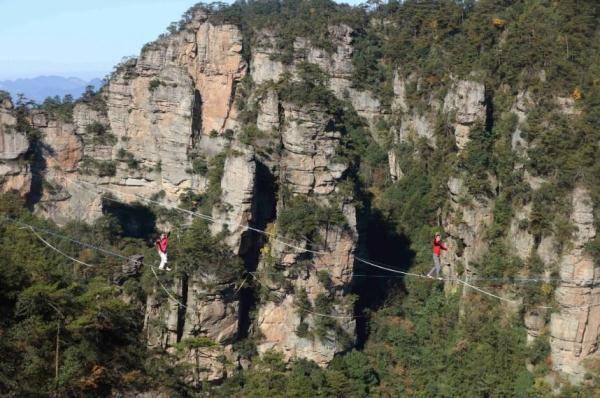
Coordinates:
(491,294)
(165,289)
(170,295)
(108,252)
(275,237)
(58,250)
(278,239)
(206,217)
(495,279)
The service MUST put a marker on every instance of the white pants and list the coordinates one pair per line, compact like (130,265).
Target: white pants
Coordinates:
(436,266)
(163,259)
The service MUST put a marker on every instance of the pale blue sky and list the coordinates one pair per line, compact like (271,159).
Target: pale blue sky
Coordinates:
(82,38)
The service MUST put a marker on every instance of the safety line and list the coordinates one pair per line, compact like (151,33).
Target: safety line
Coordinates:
(240,287)
(111,253)
(32,228)
(278,239)
(397,271)
(58,250)
(508,280)
(488,293)
(275,237)
(165,289)
(425,276)
(464,283)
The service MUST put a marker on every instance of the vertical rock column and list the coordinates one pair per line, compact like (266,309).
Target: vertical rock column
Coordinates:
(14,172)
(307,168)
(575,329)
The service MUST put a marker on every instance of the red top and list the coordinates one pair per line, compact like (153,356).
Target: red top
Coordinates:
(438,246)
(161,243)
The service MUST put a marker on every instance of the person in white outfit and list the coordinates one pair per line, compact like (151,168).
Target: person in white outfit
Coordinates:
(161,247)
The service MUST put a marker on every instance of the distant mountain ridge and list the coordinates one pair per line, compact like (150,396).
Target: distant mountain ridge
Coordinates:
(40,87)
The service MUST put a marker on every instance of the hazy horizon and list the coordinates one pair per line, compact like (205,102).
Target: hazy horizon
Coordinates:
(69,38)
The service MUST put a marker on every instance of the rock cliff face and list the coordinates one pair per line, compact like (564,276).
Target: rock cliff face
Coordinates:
(572,324)
(308,169)
(14,171)
(575,329)
(178,104)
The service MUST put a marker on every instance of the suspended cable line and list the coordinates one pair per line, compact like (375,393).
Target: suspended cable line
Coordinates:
(90,246)
(58,250)
(277,239)
(170,295)
(206,217)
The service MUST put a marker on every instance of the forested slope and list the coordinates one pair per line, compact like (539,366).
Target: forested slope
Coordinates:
(293,149)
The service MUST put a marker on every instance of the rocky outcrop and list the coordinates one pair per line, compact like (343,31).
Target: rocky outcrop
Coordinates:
(466,100)
(268,116)
(14,171)
(308,168)
(237,195)
(466,224)
(143,135)
(215,63)
(265,66)
(308,164)
(575,329)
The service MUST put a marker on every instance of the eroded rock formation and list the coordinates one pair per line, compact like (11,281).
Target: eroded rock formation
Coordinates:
(162,116)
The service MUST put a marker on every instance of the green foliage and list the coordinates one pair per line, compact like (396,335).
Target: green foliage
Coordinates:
(213,171)
(198,251)
(302,330)
(250,133)
(310,87)
(499,261)
(44,294)
(4,95)
(301,218)
(369,72)
(95,100)
(324,278)
(324,325)
(24,125)
(62,109)
(419,344)
(593,248)
(199,166)
(302,302)
(195,343)
(502,214)
(127,157)
(102,168)
(154,84)
(99,134)
(539,350)
(477,160)
(214,175)
(477,355)
(289,20)
(348,376)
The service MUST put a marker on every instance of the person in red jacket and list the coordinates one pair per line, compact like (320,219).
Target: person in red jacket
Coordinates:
(161,247)
(437,247)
